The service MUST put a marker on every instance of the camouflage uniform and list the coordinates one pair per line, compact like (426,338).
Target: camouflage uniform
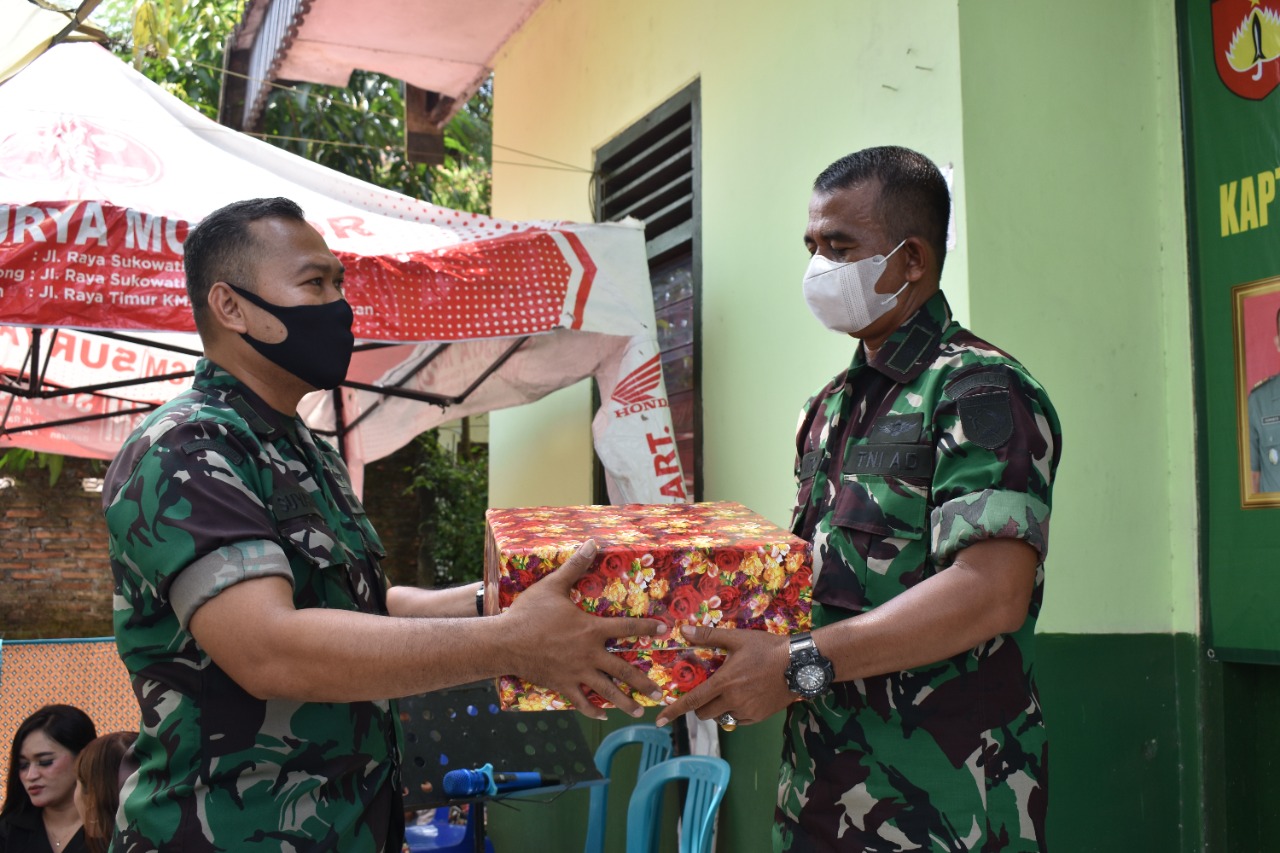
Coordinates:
(215,488)
(940,441)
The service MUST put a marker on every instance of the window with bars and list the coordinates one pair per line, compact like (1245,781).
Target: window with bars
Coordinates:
(651,171)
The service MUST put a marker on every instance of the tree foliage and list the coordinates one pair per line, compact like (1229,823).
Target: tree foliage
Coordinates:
(357,130)
(452,492)
(178,44)
(19,459)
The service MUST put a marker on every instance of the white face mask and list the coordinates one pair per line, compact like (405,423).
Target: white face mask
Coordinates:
(843,296)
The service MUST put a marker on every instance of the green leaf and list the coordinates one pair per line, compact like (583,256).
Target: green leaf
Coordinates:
(54,464)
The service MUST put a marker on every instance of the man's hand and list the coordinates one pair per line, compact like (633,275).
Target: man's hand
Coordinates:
(751,684)
(557,645)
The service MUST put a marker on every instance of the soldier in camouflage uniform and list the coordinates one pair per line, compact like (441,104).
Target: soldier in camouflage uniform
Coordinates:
(924,474)
(251,610)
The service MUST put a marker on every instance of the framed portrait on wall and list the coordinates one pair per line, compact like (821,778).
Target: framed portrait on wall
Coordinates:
(1256,315)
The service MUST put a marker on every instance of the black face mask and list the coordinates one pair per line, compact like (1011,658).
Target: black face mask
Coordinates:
(318,344)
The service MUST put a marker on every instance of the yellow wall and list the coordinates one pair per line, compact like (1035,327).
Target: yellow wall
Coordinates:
(784,93)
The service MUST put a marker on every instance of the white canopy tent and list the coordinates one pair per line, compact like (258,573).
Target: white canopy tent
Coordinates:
(102,174)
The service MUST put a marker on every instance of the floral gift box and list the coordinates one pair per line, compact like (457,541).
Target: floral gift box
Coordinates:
(713,564)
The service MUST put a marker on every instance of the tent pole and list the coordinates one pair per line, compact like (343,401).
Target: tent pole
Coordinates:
(123,413)
(34,382)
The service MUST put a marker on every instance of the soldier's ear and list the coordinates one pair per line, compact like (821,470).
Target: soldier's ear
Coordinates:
(225,309)
(919,258)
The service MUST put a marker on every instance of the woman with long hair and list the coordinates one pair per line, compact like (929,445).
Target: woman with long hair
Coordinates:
(39,813)
(98,779)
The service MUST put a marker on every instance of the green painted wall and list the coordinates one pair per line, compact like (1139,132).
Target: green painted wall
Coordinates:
(1242,756)
(1123,760)
(1077,263)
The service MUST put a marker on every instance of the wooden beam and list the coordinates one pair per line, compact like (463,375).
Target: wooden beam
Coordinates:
(425,113)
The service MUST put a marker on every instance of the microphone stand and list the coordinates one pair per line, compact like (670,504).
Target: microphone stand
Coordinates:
(475,824)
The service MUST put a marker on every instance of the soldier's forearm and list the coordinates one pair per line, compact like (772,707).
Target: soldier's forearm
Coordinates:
(985,592)
(273,651)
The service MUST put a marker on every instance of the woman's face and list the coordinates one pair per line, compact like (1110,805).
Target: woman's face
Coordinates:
(47,770)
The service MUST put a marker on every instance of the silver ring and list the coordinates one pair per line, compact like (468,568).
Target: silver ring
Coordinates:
(727,721)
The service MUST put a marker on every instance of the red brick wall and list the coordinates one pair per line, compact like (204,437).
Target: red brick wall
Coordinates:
(55,580)
(55,576)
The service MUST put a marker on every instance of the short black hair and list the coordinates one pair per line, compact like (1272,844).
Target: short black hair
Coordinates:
(64,724)
(221,247)
(914,199)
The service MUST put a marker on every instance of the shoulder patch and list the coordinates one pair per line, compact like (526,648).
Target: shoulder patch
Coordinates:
(987,418)
(1269,380)
(981,379)
(234,456)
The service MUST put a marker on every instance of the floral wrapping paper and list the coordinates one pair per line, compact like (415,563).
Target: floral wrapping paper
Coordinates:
(713,564)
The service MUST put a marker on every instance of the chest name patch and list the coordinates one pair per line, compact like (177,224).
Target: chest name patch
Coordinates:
(292,503)
(894,460)
(1273,419)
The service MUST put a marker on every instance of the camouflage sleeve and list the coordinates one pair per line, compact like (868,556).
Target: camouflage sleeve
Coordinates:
(192,503)
(223,568)
(998,445)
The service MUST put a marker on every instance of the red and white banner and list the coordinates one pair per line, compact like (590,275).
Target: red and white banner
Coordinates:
(92,264)
(102,175)
(636,407)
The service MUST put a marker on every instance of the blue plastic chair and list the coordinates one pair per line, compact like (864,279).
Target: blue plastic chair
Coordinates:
(708,778)
(440,836)
(655,746)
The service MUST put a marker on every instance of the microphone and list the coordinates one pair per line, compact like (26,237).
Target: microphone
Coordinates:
(474,783)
